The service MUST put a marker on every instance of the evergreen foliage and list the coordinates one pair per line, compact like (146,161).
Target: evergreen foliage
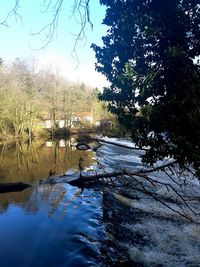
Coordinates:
(150,56)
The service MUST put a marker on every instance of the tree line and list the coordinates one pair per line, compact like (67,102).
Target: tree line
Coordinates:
(28,96)
(150,56)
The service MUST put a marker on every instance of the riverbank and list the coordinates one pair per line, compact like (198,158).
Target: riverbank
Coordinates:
(46,134)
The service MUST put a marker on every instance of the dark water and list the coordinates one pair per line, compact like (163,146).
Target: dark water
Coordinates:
(48,225)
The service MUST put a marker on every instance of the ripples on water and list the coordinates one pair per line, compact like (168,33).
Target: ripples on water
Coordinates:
(48,225)
(56,226)
(61,226)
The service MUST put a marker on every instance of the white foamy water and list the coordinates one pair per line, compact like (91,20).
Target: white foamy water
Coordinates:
(167,211)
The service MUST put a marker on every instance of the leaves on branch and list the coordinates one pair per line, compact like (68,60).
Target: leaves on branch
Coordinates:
(148,56)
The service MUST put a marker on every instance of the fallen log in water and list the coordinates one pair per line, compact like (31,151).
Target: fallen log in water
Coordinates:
(84,179)
(81,179)
(177,200)
(13,187)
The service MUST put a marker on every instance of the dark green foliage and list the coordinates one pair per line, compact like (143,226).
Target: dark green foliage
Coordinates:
(150,57)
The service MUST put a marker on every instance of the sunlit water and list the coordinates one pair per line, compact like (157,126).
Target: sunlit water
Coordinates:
(29,162)
(61,226)
(48,225)
(53,227)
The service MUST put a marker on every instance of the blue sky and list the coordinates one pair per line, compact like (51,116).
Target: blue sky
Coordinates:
(17,40)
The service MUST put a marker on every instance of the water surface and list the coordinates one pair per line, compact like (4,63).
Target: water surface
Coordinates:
(29,162)
(59,225)
(46,225)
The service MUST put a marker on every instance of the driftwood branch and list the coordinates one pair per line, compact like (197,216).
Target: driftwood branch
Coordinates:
(175,197)
(84,179)
(83,146)
(139,181)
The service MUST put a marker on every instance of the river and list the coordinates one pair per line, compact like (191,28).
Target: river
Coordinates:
(60,225)
(48,225)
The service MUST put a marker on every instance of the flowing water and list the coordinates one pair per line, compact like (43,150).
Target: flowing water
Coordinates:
(48,225)
(61,225)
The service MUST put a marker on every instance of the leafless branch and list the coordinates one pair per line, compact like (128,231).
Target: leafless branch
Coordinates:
(158,199)
(12,13)
(80,12)
(50,28)
(178,201)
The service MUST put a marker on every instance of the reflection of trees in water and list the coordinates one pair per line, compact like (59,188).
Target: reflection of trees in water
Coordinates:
(27,157)
(30,200)
(66,206)
(18,160)
(30,161)
(62,150)
(53,199)
(16,198)
(58,200)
